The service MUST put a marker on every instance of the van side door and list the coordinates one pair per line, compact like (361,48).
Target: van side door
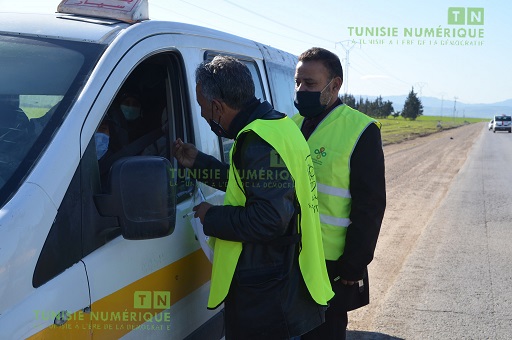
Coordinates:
(155,287)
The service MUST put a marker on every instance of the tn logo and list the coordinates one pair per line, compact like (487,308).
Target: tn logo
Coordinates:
(275,160)
(151,300)
(465,16)
(320,153)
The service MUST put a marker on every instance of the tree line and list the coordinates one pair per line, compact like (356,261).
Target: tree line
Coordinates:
(413,108)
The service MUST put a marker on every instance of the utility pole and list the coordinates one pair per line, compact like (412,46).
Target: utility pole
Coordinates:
(454,106)
(421,85)
(442,102)
(347,45)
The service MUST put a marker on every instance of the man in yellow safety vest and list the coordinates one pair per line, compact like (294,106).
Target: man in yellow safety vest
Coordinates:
(268,262)
(347,154)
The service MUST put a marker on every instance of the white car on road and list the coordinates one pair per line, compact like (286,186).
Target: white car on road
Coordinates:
(502,123)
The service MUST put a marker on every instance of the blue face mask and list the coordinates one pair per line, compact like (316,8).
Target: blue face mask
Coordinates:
(130,112)
(101,140)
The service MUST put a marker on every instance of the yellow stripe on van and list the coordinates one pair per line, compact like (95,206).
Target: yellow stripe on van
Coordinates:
(146,299)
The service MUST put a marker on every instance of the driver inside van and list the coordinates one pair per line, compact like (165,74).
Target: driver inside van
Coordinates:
(120,126)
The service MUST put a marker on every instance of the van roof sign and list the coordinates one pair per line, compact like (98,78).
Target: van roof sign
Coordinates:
(130,11)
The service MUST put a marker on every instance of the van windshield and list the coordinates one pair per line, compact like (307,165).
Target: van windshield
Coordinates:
(39,78)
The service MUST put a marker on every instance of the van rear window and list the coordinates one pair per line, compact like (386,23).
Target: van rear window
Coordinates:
(503,118)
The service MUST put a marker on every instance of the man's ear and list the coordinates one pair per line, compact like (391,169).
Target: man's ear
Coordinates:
(338,82)
(218,106)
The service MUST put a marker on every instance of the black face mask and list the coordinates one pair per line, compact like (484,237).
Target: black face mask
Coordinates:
(218,129)
(308,103)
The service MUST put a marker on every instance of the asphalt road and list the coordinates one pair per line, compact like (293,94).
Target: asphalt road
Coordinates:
(442,266)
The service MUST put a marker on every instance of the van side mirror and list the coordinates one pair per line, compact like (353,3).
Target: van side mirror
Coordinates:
(141,194)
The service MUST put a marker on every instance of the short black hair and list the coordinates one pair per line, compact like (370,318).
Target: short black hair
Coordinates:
(330,60)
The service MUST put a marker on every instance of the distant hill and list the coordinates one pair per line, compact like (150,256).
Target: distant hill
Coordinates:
(437,107)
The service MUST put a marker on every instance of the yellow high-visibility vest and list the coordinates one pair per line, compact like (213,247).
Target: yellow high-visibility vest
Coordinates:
(331,145)
(284,136)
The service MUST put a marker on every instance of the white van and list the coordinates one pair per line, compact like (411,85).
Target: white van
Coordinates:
(502,123)
(90,253)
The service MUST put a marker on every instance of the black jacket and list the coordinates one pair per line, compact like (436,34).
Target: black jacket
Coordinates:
(268,298)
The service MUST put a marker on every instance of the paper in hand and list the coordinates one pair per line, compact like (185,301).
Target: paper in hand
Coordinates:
(207,243)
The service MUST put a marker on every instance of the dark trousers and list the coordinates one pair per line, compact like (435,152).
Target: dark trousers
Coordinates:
(346,298)
(334,327)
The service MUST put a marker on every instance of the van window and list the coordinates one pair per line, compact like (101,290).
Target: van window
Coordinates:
(503,118)
(147,114)
(282,83)
(35,93)
(259,91)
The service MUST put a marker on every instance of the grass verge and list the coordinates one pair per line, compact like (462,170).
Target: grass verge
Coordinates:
(396,130)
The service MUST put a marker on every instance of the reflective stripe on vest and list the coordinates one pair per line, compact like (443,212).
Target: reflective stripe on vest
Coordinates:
(335,221)
(333,191)
(295,154)
(331,145)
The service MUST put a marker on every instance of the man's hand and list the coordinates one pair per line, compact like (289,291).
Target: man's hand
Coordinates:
(185,153)
(201,210)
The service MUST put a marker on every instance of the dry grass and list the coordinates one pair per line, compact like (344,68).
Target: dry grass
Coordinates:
(396,130)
